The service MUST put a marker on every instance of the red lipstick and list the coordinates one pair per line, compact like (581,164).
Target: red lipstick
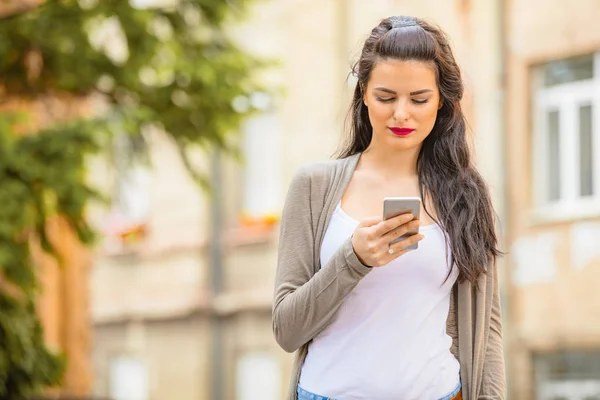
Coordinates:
(401,131)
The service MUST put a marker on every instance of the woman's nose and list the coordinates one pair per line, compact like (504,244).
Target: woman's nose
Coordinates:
(401,113)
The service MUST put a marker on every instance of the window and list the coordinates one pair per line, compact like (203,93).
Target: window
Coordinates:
(258,377)
(260,202)
(570,375)
(128,379)
(126,222)
(567,136)
(262,165)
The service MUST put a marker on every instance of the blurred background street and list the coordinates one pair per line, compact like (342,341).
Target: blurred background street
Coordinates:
(189,118)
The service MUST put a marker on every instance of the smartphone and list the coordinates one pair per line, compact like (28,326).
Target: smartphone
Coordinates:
(394,206)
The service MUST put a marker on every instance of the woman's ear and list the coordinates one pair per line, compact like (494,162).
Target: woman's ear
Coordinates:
(441,104)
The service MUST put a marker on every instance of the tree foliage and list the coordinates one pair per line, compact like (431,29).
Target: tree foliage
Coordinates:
(172,67)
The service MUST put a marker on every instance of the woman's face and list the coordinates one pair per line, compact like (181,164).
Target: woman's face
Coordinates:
(403,100)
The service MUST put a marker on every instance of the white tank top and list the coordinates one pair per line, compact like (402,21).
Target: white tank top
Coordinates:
(388,339)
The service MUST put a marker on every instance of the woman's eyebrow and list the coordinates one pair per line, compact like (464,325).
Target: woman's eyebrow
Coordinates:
(383,89)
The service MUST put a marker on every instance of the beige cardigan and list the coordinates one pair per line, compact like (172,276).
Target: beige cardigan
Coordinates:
(307,297)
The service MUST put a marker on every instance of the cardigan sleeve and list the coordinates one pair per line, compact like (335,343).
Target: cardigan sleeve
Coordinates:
(493,385)
(452,322)
(304,301)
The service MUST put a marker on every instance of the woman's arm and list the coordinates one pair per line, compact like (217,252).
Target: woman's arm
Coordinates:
(305,302)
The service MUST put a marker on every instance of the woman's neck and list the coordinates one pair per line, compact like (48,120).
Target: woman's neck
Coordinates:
(391,163)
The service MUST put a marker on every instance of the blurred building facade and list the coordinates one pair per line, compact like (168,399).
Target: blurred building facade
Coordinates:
(553,195)
(181,293)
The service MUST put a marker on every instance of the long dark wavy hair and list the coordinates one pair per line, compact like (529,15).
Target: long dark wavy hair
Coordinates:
(444,167)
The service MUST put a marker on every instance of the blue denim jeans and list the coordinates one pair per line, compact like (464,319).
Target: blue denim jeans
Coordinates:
(305,395)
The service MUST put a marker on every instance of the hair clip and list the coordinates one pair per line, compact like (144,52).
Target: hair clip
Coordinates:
(398,22)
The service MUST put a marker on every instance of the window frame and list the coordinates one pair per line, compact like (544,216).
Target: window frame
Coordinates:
(566,98)
(565,373)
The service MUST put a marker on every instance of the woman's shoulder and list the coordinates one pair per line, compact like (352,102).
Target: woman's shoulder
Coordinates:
(316,182)
(326,170)
(320,167)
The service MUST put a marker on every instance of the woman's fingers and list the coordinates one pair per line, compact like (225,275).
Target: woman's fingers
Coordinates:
(400,230)
(389,224)
(399,247)
(371,239)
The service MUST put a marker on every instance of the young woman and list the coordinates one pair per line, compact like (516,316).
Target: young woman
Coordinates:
(371,320)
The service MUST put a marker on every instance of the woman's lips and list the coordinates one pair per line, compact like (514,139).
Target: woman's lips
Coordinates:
(401,131)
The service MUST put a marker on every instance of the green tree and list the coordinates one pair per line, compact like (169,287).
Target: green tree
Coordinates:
(172,67)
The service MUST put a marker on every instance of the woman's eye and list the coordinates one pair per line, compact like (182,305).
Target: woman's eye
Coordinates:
(420,101)
(385,99)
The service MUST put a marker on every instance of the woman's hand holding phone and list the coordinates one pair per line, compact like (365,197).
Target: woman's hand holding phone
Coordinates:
(371,239)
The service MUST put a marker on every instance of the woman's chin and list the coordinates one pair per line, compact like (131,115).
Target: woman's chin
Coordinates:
(405,144)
